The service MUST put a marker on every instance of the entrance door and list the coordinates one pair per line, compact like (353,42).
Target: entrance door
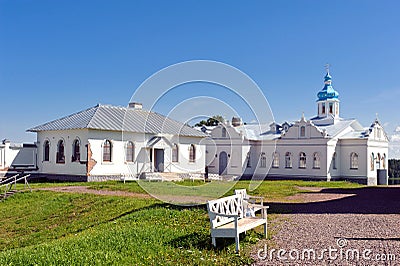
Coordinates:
(223,162)
(159,160)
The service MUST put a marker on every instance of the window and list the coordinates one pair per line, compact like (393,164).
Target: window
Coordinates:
(302,131)
(107,149)
(316,161)
(192,153)
(372,163)
(323,108)
(302,160)
(331,108)
(334,161)
(175,153)
(130,152)
(379,133)
(378,161)
(248,159)
(223,134)
(353,160)
(288,160)
(263,160)
(46,151)
(76,155)
(275,160)
(60,156)
(384,161)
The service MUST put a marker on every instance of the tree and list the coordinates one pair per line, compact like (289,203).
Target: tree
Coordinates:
(212,121)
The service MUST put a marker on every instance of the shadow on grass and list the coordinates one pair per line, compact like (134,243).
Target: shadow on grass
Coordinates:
(367,200)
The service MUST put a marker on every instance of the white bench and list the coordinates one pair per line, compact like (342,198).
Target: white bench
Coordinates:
(256,201)
(227,218)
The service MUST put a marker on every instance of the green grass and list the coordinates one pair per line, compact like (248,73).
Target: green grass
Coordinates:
(49,228)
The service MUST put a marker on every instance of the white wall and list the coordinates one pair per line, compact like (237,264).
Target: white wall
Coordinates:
(118,165)
(69,167)
(8,153)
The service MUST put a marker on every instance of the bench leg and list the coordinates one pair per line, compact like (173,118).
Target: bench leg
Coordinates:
(214,243)
(265,229)
(237,243)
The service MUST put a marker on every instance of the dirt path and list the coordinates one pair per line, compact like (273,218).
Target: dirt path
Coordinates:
(84,189)
(358,227)
(173,199)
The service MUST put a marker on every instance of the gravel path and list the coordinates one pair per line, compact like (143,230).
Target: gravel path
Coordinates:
(345,221)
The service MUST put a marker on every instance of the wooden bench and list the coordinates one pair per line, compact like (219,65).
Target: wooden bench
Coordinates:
(228,220)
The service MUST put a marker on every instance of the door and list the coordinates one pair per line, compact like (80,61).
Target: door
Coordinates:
(159,160)
(223,162)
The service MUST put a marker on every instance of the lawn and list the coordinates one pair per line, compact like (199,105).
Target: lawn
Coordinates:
(49,228)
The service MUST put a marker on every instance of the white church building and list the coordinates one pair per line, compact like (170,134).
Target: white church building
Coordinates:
(108,142)
(325,147)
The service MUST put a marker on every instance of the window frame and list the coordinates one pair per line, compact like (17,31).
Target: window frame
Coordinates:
(60,154)
(192,153)
(263,160)
(275,160)
(288,160)
(76,154)
(354,164)
(175,153)
(107,144)
(130,152)
(302,131)
(316,161)
(46,151)
(302,160)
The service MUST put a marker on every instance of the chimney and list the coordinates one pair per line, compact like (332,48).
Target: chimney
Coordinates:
(236,121)
(135,105)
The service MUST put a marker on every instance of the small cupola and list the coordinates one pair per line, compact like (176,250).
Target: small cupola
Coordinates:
(328,98)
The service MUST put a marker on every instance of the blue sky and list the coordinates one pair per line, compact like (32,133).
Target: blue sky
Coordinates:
(59,57)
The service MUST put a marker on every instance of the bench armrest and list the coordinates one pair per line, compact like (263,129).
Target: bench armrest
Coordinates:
(256,197)
(258,206)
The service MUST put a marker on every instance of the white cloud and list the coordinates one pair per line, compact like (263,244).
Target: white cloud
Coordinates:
(394,144)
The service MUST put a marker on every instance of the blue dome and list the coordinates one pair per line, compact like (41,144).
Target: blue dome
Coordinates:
(327,92)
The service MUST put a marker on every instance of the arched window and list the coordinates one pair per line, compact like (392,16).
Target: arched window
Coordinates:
(130,151)
(275,160)
(372,163)
(263,160)
(192,153)
(378,161)
(175,153)
(353,160)
(316,161)
(331,108)
(46,151)
(223,133)
(107,151)
(288,160)
(76,147)
(334,161)
(384,161)
(60,156)
(302,131)
(302,160)
(323,108)
(248,159)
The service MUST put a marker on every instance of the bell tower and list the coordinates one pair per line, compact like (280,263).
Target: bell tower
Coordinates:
(328,99)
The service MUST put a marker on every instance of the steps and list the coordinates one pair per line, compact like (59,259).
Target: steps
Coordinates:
(9,193)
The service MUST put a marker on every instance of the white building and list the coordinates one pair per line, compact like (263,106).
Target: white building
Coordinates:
(325,147)
(109,142)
